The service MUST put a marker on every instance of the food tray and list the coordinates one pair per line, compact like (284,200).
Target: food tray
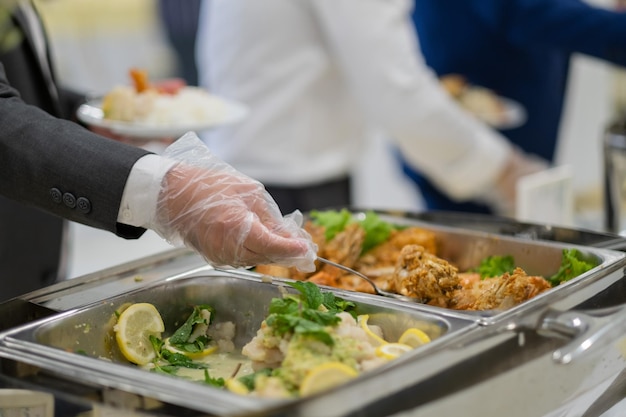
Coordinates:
(466,247)
(78,344)
(537,347)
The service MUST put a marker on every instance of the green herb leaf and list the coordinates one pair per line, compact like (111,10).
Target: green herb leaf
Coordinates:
(377,231)
(215,382)
(180,360)
(303,314)
(495,266)
(166,369)
(333,221)
(157,345)
(180,338)
(311,295)
(573,263)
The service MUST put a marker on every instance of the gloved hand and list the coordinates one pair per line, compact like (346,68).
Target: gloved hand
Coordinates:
(226,216)
(502,196)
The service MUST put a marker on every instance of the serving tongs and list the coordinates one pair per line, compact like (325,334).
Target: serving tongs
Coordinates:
(377,290)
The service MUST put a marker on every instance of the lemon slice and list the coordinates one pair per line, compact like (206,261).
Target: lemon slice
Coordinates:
(325,376)
(236,386)
(192,355)
(374,338)
(133,330)
(392,350)
(414,337)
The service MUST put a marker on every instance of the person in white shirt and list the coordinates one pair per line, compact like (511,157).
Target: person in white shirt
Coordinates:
(318,75)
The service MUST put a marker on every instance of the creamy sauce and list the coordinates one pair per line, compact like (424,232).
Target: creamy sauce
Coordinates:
(221,365)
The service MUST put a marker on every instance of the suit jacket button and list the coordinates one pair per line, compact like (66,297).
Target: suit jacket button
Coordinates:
(56,194)
(83,204)
(69,200)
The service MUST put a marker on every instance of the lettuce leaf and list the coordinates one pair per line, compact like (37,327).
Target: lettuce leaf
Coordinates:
(573,263)
(495,266)
(376,230)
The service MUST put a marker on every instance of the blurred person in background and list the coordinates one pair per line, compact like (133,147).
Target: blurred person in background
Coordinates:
(180,21)
(53,169)
(520,49)
(318,76)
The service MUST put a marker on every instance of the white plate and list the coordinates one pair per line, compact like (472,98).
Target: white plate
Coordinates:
(512,115)
(91,113)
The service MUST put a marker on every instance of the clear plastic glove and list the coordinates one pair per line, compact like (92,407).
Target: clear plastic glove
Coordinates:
(502,196)
(225,215)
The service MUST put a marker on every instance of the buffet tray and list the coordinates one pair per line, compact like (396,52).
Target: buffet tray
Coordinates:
(79,344)
(562,341)
(465,247)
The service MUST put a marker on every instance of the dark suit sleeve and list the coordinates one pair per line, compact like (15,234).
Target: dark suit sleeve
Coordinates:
(571,25)
(69,102)
(61,167)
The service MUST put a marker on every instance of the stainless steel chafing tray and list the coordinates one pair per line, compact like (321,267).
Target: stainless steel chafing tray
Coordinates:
(59,343)
(466,247)
(539,347)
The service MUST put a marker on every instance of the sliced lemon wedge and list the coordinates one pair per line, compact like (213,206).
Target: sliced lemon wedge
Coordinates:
(133,330)
(375,339)
(325,376)
(192,355)
(236,386)
(392,350)
(414,337)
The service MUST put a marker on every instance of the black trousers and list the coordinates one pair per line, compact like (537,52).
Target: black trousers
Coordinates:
(333,194)
(31,248)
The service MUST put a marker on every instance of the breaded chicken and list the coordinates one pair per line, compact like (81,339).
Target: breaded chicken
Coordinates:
(499,293)
(422,275)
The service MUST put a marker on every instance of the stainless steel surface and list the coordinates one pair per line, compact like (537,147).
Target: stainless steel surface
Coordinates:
(80,344)
(509,358)
(113,281)
(465,248)
(510,227)
(377,290)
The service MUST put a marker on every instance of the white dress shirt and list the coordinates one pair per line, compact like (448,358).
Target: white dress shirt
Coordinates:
(139,200)
(317,75)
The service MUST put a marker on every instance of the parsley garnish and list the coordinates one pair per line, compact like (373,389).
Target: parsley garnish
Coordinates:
(180,338)
(308,313)
(215,382)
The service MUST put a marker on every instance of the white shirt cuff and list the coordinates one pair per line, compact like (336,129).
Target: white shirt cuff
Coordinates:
(139,200)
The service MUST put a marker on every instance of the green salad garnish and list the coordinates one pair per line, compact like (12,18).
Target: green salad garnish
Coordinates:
(376,230)
(495,266)
(302,313)
(573,263)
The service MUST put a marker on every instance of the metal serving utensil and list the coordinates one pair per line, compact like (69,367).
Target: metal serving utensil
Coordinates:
(377,290)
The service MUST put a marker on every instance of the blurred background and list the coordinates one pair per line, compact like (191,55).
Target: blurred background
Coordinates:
(94,43)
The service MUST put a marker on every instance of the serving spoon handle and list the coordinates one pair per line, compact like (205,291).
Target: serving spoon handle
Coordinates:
(377,290)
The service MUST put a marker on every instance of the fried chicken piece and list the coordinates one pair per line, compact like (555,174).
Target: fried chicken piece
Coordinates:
(424,276)
(341,280)
(379,263)
(386,254)
(499,293)
(345,248)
